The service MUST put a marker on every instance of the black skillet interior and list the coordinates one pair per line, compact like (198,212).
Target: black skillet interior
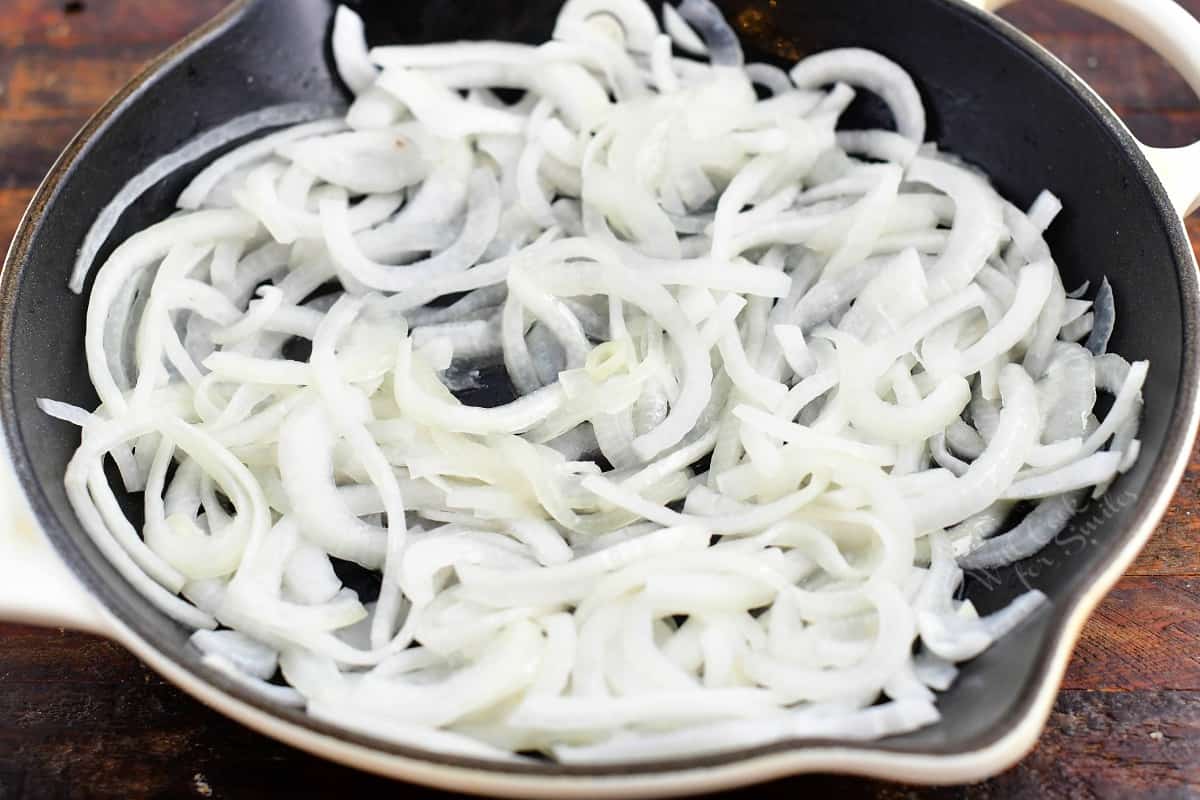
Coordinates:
(992,98)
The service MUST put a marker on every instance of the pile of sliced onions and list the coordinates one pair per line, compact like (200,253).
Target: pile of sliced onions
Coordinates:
(821,369)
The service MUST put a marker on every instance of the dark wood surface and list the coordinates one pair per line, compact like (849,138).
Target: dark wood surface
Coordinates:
(80,717)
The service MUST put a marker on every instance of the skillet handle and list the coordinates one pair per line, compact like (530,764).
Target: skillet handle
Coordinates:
(1175,35)
(36,587)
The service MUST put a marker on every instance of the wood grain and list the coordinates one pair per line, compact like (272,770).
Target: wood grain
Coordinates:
(108,27)
(1175,546)
(80,717)
(1142,637)
(12,206)
(46,85)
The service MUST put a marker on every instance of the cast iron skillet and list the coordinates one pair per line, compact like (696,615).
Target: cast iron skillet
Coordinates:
(994,97)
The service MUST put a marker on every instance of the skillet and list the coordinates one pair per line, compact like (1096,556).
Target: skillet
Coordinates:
(994,97)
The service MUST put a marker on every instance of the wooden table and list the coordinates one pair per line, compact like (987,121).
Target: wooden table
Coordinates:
(80,717)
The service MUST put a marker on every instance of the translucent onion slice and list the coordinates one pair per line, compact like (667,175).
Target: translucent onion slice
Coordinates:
(349,43)
(873,72)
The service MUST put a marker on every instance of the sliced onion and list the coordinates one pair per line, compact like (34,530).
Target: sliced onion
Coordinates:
(720,41)
(194,196)
(350,50)
(194,150)
(873,72)
(821,385)
(681,33)
(1106,319)
(1034,532)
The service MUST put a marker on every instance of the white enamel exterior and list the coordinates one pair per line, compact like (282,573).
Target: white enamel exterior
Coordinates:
(38,589)
(35,586)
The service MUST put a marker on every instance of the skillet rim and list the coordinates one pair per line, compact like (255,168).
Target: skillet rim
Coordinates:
(1029,708)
